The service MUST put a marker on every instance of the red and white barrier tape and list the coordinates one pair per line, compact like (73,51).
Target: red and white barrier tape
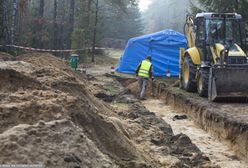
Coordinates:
(48,50)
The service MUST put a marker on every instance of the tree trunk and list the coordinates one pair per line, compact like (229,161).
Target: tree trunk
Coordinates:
(21,21)
(95,32)
(71,22)
(55,26)
(88,10)
(14,21)
(61,44)
(236,5)
(87,25)
(41,9)
(40,24)
(88,16)
(1,22)
(6,33)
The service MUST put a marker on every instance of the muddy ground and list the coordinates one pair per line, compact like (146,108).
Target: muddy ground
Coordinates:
(54,116)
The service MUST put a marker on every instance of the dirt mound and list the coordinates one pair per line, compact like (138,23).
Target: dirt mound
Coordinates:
(5,57)
(165,143)
(59,143)
(44,89)
(11,80)
(107,136)
(30,106)
(152,134)
(43,60)
(51,115)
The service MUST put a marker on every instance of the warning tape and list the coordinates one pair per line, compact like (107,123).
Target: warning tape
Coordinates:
(48,50)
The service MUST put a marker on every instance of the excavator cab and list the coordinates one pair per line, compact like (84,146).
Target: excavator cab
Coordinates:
(215,64)
(224,31)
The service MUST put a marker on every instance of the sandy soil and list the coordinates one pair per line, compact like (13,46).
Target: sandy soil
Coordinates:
(54,116)
(48,116)
(228,121)
(5,56)
(219,153)
(136,117)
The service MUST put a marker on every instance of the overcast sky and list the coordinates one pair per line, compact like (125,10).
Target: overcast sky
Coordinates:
(143,4)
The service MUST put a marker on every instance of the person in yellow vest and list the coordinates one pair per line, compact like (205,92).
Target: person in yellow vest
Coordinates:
(144,73)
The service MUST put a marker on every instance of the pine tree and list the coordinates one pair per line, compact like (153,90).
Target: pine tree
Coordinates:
(52,24)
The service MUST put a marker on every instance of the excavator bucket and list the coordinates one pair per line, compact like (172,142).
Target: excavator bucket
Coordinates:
(228,82)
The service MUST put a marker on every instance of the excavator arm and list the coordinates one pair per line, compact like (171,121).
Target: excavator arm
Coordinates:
(192,51)
(189,31)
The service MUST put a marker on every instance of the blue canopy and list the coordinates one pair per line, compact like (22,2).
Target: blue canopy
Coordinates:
(164,47)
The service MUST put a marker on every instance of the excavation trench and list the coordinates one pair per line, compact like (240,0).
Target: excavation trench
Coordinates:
(218,152)
(226,121)
(210,127)
(52,115)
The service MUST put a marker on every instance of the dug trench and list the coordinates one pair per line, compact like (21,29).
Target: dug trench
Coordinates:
(222,127)
(227,121)
(150,132)
(54,116)
(49,115)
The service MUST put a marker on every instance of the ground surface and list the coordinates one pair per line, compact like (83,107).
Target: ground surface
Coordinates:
(54,116)
(219,153)
(228,121)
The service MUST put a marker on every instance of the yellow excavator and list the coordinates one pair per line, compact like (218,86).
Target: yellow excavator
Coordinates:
(215,64)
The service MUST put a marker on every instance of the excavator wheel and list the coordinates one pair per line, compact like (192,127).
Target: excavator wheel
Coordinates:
(202,82)
(188,75)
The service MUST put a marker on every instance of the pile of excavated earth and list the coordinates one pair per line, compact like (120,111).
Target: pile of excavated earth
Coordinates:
(52,115)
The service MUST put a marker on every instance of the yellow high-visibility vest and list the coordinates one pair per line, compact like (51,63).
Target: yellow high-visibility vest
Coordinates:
(144,69)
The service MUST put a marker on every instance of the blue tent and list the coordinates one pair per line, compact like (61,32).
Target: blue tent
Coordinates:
(164,47)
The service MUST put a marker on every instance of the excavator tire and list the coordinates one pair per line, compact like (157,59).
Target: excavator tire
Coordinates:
(202,82)
(188,75)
